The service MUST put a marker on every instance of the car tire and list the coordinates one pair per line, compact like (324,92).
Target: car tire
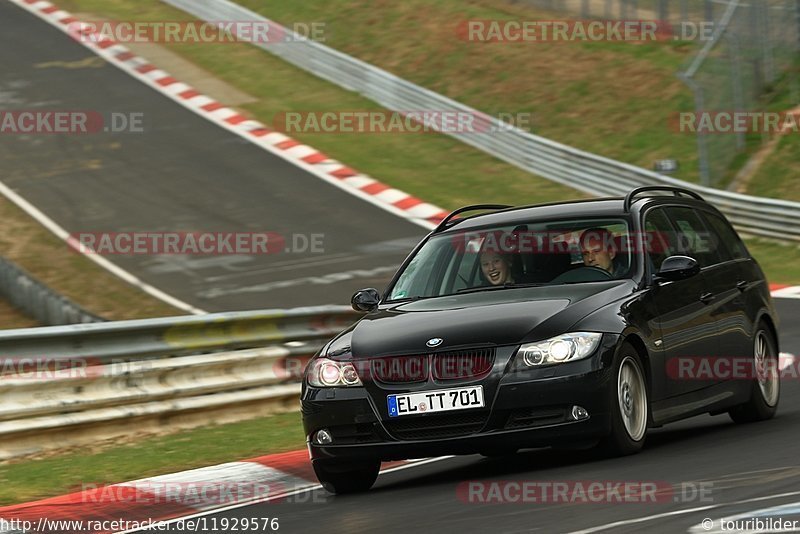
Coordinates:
(630,406)
(346,477)
(764,394)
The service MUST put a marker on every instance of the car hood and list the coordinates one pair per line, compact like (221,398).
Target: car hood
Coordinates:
(490,318)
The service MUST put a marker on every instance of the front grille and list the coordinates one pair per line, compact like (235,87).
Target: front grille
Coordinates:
(444,366)
(533,417)
(400,369)
(462,364)
(437,426)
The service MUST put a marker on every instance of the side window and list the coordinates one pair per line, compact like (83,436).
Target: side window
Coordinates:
(727,236)
(422,274)
(460,272)
(659,238)
(694,239)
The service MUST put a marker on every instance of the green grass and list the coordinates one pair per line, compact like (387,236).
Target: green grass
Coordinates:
(56,475)
(11,317)
(779,175)
(613,99)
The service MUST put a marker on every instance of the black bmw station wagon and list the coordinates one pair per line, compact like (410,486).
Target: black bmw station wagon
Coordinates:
(580,323)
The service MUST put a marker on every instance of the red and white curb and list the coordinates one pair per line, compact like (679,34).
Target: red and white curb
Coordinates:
(117,507)
(784,292)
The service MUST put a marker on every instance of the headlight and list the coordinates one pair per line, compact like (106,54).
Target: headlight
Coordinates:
(325,373)
(560,349)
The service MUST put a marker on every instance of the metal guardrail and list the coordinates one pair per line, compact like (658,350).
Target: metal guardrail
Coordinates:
(72,385)
(38,301)
(174,336)
(560,163)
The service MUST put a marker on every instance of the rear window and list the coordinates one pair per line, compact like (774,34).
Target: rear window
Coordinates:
(731,245)
(694,239)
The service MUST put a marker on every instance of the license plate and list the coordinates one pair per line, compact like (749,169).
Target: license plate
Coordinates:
(443,400)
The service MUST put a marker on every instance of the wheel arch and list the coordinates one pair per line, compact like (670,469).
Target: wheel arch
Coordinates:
(634,339)
(770,322)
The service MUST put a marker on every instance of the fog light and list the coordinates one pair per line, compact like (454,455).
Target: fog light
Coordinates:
(322,437)
(578,413)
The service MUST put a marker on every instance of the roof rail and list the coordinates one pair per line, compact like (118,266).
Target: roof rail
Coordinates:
(678,191)
(442,225)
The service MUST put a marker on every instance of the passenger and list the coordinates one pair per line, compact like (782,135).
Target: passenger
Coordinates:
(496,267)
(598,249)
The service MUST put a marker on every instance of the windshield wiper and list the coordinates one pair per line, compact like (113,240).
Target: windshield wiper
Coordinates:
(492,288)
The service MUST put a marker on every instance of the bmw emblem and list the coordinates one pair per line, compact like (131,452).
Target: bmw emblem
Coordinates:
(434,342)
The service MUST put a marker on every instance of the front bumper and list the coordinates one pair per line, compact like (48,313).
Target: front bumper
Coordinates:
(523,410)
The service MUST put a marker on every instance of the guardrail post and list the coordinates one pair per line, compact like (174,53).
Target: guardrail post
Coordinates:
(709,11)
(702,142)
(663,11)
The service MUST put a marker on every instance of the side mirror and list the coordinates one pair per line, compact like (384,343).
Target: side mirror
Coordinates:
(677,268)
(365,300)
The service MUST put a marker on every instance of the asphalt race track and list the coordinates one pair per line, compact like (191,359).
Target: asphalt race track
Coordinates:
(183,173)
(730,463)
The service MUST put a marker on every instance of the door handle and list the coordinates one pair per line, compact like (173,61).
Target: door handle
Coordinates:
(705,298)
(741,285)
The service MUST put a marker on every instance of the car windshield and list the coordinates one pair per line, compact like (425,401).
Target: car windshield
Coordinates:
(520,255)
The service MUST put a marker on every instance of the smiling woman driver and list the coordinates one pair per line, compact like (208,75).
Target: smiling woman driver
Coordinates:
(496,267)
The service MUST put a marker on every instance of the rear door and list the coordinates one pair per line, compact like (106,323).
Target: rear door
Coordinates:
(687,324)
(734,282)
